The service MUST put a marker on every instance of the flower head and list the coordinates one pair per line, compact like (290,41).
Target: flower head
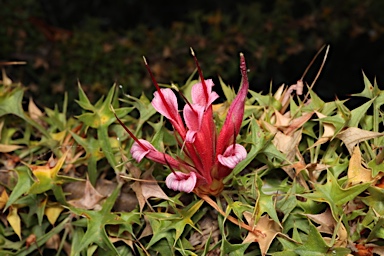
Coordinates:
(207,157)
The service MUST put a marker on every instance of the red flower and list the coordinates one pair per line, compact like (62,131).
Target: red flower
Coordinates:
(207,159)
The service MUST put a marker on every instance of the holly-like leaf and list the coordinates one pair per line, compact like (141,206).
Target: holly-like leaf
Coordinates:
(314,245)
(264,203)
(96,222)
(164,222)
(46,175)
(335,196)
(24,182)
(101,113)
(93,154)
(376,167)
(358,113)
(11,103)
(368,91)
(374,199)
(232,249)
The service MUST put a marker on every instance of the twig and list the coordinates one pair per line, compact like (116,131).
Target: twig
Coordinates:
(207,199)
(318,73)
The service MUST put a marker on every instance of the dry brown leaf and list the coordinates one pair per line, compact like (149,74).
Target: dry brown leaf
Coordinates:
(128,242)
(297,123)
(278,94)
(327,224)
(34,112)
(268,229)
(287,144)
(152,189)
(90,198)
(53,212)
(281,121)
(269,127)
(353,135)
(325,220)
(6,80)
(15,221)
(315,169)
(147,231)
(379,250)
(328,133)
(53,242)
(356,172)
(298,166)
(3,199)
(145,186)
(9,148)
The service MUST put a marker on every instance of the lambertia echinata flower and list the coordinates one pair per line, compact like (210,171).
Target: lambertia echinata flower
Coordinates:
(207,158)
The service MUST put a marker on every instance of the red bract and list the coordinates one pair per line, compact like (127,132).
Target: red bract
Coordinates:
(207,158)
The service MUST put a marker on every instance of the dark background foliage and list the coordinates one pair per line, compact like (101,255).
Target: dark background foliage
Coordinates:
(100,42)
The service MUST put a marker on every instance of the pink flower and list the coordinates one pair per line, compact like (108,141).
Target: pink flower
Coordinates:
(206,158)
(180,181)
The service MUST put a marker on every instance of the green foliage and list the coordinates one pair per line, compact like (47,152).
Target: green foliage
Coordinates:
(311,183)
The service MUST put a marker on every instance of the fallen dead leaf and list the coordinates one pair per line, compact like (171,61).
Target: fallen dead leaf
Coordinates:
(90,198)
(152,189)
(353,135)
(279,92)
(327,225)
(3,199)
(356,172)
(4,148)
(328,133)
(145,186)
(14,220)
(268,229)
(297,123)
(53,242)
(281,120)
(52,213)
(34,112)
(128,242)
(6,80)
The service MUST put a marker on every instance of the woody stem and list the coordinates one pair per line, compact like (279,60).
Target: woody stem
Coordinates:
(207,199)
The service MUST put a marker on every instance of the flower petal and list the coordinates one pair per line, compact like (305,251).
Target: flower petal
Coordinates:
(138,152)
(232,156)
(169,109)
(180,181)
(193,116)
(198,95)
(232,123)
(150,152)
